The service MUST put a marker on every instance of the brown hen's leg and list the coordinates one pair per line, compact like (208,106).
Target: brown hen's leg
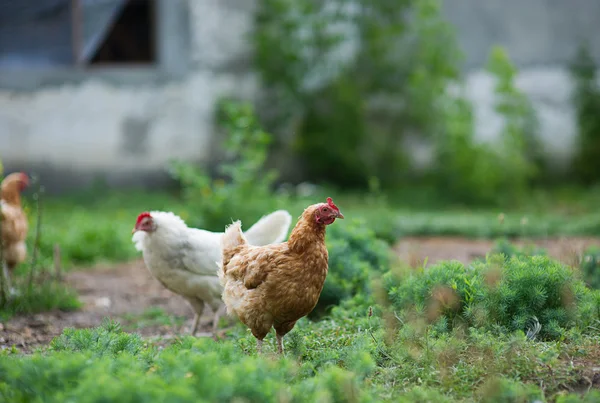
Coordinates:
(260,334)
(279,344)
(282,329)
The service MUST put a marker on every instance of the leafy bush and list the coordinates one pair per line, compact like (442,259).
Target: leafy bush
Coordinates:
(338,359)
(590,397)
(441,293)
(587,105)
(475,172)
(501,294)
(507,249)
(543,288)
(590,267)
(242,187)
(502,390)
(107,339)
(343,78)
(106,364)
(589,264)
(37,290)
(354,255)
(520,148)
(42,296)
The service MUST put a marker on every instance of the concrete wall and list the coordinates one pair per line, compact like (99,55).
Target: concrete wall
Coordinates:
(71,126)
(541,37)
(125,124)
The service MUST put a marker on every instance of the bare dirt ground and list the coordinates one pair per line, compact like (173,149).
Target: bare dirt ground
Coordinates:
(414,250)
(121,292)
(124,292)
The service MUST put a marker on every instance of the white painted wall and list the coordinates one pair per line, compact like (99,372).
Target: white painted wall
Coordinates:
(91,126)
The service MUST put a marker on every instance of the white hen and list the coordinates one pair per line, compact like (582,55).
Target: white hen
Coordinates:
(183,259)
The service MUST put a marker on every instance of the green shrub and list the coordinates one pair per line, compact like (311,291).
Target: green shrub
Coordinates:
(106,364)
(442,293)
(422,395)
(346,78)
(590,267)
(587,104)
(590,397)
(520,149)
(355,254)
(589,264)
(505,247)
(543,288)
(43,296)
(242,188)
(502,390)
(474,172)
(107,339)
(499,294)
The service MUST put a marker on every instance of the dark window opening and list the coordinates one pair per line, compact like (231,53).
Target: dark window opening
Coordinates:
(131,39)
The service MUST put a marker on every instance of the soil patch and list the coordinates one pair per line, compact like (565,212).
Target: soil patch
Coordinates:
(414,250)
(121,292)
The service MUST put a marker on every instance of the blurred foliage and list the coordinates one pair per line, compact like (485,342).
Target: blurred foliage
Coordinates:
(508,250)
(500,294)
(339,359)
(242,189)
(35,286)
(587,107)
(354,78)
(590,267)
(355,254)
(42,296)
(589,261)
(363,82)
(500,172)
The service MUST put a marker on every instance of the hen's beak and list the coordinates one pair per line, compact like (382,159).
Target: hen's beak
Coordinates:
(133,231)
(340,215)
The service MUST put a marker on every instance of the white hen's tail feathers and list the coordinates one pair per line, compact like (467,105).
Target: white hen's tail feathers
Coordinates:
(272,228)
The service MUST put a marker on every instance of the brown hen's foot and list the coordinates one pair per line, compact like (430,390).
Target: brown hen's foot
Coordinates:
(280,344)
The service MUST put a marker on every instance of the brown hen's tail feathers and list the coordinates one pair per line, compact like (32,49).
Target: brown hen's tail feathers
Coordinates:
(232,238)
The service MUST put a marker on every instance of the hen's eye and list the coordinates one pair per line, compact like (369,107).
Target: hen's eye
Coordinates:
(325,209)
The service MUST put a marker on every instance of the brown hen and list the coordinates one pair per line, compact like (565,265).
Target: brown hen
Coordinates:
(14,224)
(275,285)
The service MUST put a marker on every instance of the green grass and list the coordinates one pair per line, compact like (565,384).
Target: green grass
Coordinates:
(153,317)
(96,227)
(340,359)
(42,296)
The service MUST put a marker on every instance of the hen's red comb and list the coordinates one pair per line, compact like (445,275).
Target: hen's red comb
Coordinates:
(332,204)
(25,178)
(145,214)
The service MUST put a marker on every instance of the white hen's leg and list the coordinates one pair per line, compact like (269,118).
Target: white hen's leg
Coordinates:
(198,306)
(259,344)
(195,324)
